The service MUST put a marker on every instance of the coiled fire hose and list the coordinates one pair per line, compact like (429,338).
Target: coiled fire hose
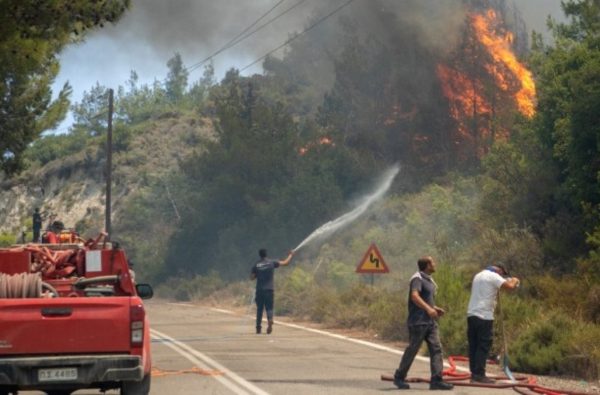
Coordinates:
(23,285)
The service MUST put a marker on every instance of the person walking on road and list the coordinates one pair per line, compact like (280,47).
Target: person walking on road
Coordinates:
(480,316)
(263,273)
(422,326)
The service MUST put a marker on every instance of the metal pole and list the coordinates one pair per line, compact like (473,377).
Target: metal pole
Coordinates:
(107,224)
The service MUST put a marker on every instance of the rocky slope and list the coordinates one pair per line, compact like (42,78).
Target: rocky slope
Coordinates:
(73,188)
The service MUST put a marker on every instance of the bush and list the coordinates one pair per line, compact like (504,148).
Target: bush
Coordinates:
(186,289)
(388,315)
(294,294)
(567,293)
(558,345)
(7,239)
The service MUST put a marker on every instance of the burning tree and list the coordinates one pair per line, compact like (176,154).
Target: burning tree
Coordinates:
(485,84)
(398,97)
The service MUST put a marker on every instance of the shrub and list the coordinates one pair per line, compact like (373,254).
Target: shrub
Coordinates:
(453,296)
(7,239)
(388,315)
(321,305)
(294,293)
(186,289)
(546,346)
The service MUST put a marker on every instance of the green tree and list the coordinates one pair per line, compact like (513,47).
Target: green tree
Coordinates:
(568,123)
(177,79)
(91,114)
(32,33)
(252,186)
(136,103)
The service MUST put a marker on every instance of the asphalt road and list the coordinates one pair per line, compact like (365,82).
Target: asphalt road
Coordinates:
(201,350)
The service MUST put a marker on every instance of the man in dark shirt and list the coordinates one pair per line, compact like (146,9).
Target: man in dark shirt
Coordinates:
(36,225)
(422,326)
(263,271)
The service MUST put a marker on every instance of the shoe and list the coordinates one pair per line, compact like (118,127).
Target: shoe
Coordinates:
(270,328)
(482,380)
(440,385)
(401,384)
(258,330)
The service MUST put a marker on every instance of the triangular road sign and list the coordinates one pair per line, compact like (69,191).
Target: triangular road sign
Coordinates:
(372,262)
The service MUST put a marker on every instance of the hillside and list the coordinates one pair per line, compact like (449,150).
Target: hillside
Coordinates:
(73,188)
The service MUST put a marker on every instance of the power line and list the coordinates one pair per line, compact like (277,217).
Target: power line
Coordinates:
(246,33)
(227,45)
(253,24)
(298,35)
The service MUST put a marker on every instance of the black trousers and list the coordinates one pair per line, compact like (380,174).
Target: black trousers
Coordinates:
(36,235)
(480,333)
(264,300)
(416,335)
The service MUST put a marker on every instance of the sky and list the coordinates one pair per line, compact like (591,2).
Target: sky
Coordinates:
(152,31)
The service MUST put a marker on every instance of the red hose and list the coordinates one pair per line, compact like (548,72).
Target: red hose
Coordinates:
(522,382)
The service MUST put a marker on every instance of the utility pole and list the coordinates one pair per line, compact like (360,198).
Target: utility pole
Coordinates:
(107,225)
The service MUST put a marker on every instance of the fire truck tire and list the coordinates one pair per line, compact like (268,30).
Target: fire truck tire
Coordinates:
(136,387)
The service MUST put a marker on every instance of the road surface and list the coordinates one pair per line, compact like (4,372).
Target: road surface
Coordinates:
(202,350)
(199,350)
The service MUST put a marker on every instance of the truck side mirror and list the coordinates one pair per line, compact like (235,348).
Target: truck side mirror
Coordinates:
(144,291)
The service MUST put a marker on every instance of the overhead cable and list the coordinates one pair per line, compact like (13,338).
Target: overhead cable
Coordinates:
(247,32)
(298,35)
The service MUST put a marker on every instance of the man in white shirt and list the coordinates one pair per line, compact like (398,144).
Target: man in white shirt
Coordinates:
(480,316)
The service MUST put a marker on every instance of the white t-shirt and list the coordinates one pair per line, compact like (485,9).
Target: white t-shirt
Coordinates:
(483,294)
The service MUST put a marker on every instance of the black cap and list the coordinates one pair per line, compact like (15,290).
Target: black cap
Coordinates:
(503,268)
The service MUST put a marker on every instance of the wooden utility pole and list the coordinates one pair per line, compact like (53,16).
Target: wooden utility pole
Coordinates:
(107,225)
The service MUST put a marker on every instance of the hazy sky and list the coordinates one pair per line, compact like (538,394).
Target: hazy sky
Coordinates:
(152,31)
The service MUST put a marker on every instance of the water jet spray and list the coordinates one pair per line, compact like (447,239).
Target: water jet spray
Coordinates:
(330,227)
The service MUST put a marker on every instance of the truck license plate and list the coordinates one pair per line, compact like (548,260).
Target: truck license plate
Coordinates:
(59,374)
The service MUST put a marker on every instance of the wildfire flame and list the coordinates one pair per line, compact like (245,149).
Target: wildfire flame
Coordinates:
(484,83)
(464,92)
(499,48)
(322,141)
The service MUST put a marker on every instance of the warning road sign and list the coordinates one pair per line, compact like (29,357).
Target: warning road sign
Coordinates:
(372,262)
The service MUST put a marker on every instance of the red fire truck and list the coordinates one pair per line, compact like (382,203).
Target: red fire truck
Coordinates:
(72,317)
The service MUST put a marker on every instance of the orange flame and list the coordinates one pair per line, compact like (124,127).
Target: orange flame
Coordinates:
(499,49)
(464,94)
(322,141)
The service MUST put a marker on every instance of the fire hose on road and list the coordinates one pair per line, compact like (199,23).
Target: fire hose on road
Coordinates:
(520,384)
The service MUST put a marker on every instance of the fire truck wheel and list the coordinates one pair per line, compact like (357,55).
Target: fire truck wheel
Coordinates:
(136,387)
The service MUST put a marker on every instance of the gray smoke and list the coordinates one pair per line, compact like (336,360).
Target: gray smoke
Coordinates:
(152,31)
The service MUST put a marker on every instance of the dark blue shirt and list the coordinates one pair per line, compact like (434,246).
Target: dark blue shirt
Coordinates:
(424,285)
(263,270)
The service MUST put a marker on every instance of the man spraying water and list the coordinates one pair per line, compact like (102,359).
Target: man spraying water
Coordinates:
(263,272)
(264,269)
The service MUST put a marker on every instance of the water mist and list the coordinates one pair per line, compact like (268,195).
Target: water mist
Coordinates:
(330,227)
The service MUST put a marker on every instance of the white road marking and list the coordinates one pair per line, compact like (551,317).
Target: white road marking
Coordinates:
(346,338)
(229,379)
